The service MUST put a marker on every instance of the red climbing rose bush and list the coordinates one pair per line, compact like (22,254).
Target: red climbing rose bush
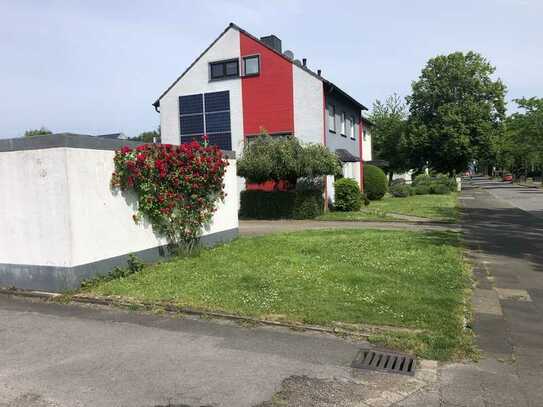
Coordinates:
(177,187)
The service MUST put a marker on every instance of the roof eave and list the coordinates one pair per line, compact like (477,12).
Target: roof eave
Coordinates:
(344,94)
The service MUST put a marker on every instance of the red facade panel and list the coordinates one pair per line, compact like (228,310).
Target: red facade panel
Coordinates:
(360,135)
(268,100)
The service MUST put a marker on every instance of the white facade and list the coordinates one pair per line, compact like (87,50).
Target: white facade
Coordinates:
(59,211)
(196,80)
(308,106)
(366,145)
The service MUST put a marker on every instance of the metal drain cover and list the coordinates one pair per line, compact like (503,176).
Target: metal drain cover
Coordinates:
(384,361)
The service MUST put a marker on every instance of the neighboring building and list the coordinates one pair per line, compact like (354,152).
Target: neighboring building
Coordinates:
(241,85)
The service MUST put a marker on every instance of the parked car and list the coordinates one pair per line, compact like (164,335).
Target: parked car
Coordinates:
(507,178)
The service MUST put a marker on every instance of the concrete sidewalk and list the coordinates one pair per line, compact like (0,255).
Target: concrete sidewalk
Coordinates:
(506,249)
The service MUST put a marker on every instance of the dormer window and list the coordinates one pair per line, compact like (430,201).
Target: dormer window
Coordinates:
(224,69)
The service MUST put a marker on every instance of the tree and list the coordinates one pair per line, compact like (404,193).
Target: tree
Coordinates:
(521,148)
(42,131)
(456,109)
(280,158)
(149,136)
(389,134)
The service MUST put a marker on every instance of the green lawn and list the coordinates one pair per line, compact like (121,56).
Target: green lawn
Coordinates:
(435,207)
(398,278)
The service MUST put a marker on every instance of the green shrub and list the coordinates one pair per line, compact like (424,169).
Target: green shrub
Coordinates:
(420,189)
(399,189)
(439,184)
(440,189)
(307,204)
(255,204)
(347,195)
(375,182)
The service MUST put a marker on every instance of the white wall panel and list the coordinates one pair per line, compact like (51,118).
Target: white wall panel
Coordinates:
(196,80)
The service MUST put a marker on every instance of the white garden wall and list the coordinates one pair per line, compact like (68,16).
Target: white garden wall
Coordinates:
(61,221)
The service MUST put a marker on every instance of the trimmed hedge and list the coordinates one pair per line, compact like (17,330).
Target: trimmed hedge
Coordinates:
(347,195)
(375,182)
(255,204)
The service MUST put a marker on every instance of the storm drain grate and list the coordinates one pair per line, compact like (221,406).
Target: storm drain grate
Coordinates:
(390,362)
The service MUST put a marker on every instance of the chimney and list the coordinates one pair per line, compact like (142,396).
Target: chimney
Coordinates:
(272,41)
(319,72)
(304,61)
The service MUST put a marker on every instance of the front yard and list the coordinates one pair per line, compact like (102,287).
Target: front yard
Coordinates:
(435,207)
(404,279)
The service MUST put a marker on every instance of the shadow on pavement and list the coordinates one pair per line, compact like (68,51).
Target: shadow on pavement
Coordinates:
(509,232)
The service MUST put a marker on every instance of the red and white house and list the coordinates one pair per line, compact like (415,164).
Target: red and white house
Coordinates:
(242,84)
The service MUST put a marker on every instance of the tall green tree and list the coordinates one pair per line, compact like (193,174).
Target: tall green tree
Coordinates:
(42,131)
(456,109)
(521,149)
(389,133)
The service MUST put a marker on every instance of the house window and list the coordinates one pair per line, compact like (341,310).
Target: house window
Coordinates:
(224,69)
(343,124)
(332,118)
(206,114)
(351,127)
(364,134)
(251,65)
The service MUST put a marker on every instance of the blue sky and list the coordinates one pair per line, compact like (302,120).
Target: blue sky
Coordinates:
(96,66)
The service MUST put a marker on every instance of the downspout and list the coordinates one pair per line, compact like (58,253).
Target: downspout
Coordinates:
(360,152)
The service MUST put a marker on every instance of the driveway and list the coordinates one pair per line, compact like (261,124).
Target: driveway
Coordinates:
(264,227)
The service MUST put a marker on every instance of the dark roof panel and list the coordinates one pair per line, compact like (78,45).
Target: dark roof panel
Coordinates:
(345,156)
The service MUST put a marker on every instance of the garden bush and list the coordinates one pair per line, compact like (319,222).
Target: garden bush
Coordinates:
(347,195)
(375,182)
(439,185)
(440,189)
(307,204)
(256,204)
(399,189)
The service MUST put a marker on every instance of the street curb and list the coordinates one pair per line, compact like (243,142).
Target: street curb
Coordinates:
(174,309)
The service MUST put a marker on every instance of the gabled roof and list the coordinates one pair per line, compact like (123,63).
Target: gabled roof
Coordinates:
(327,83)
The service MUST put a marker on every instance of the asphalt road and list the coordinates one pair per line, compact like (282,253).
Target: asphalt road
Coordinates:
(63,355)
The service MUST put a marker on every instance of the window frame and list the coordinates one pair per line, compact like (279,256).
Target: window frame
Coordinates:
(206,114)
(332,123)
(364,134)
(352,128)
(343,127)
(224,75)
(243,64)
